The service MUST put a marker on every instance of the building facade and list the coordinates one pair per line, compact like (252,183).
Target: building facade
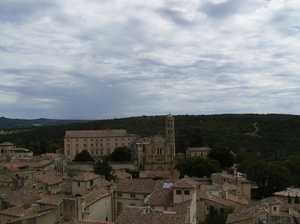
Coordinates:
(96,142)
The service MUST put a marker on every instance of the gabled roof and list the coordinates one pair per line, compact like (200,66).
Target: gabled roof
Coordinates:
(160,195)
(21,196)
(49,179)
(86,176)
(50,200)
(4,178)
(155,174)
(142,186)
(185,182)
(135,215)
(95,195)
(97,133)
(20,210)
(293,192)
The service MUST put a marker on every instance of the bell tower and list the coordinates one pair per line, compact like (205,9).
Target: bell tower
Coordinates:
(170,131)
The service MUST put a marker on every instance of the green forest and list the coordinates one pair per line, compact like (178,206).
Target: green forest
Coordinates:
(265,135)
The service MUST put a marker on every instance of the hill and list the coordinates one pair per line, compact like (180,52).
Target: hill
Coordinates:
(9,123)
(268,135)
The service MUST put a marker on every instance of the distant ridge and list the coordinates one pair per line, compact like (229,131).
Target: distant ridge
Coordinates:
(8,123)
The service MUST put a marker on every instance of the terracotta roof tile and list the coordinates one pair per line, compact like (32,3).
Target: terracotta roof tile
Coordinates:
(50,200)
(49,178)
(123,175)
(97,133)
(160,195)
(135,215)
(186,182)
(4,178)
(143,186)
(21,196)
(155,174)
(86,176)
(20,211)
(95,195)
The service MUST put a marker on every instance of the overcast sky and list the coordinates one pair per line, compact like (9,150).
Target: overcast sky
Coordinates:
(120,58)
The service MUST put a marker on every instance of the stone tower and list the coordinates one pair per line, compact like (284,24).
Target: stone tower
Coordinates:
(170,131)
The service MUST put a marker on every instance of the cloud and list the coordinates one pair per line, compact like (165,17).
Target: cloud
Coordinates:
(64,59)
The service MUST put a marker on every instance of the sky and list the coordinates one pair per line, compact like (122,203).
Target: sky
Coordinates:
(105,59)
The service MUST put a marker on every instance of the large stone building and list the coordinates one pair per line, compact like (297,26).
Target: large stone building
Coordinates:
(96,142)
(157,153)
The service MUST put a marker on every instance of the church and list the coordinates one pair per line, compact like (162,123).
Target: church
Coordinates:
(157,153)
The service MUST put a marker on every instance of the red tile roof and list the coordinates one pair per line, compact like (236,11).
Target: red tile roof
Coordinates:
(143,186)
(86,176)
(49,179)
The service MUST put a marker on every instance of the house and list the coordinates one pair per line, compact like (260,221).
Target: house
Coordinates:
(131,192)
(197,151)
(83,183)
(98,205)
(180,214)
(49,182)
(96,142)
(6,181)
(289,192)
(8,149)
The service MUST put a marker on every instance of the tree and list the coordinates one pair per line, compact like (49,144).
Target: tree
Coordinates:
(215,216)
(223,156)
(197,167)
(241,156)
(83,156)
(103,168)
(121,154)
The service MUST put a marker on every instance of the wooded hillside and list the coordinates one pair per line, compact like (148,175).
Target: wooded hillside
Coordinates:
(271,135)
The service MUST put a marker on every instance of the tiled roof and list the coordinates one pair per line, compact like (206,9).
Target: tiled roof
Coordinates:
(95,195)
(86,176)
(160,195)
(106,183)
(291,191)
(238,199)
(123,175)
(186,182)
(45,162)
(7,144)
(4,178)
(50,200)
(213,198)
(135,215)
(49,179)
(12,167)
(143,186)
(20,211)
(75,221)
(97,133)
(145,140)
(155,174)
(21,196)
(199,149)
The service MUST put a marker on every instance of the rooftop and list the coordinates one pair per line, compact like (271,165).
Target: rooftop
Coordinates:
(50,200)
(97,133)
(293,192)
(95,195)
(160,195)
(155,174)
(86,176)
(21,196)
(199,149)
(186,182)
(49,179)
(143,186)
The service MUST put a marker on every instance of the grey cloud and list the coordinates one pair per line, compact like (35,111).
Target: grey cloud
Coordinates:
(174,16)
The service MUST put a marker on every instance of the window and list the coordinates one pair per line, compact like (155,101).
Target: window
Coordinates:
(119,194)
(178,191)
(108,144)
(97,151)
(68,152)
(68,140)
(108,139)
(132,195)
(92,140)
(84,140)
(159,151)
(108,151)
(77,151)
(274,208)
(68,145)
(84,145)
(119,206)
(101,144)
(92,152)
(132,204)
(187,192)
(101,151)
(78,184)
(77,145)
(97,144)
(76,140)
(116,139)
(116,144)
(92,145)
